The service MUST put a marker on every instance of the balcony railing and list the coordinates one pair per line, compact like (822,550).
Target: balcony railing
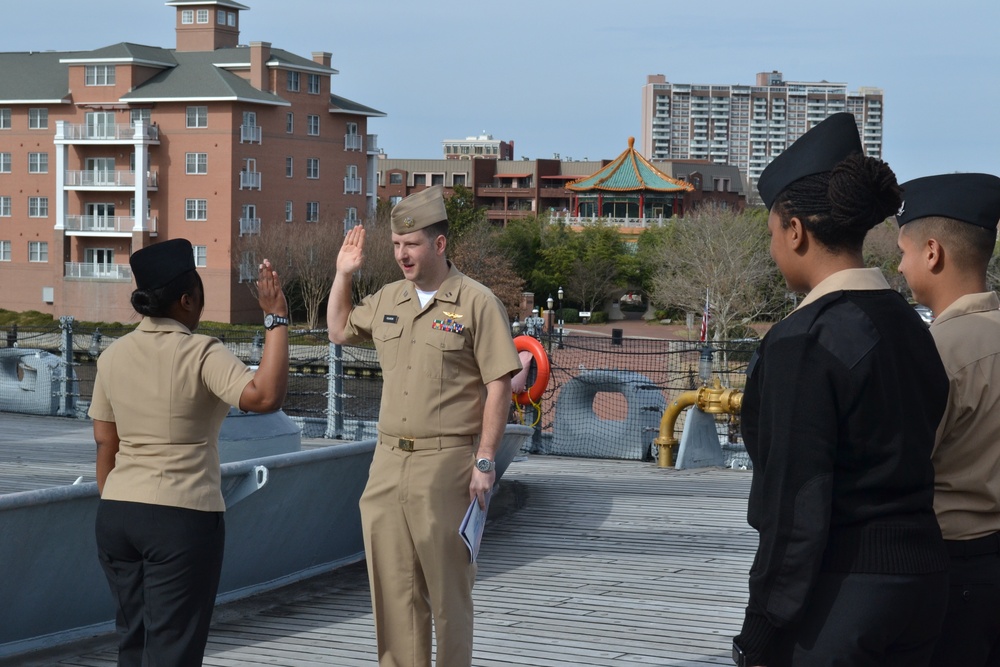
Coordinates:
(250,134)
(92,271)
(352,185)
(631,223)
(108,132)
(352,142)
(98,224)
(249,226)
(249,180)
(103,178)
(371,143)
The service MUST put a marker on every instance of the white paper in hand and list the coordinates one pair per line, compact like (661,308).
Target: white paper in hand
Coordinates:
(472,527)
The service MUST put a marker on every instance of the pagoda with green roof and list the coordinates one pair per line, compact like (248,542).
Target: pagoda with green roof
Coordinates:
(628,187)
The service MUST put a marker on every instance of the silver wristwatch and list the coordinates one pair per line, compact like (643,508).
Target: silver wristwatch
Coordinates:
(485,465)
(271,320)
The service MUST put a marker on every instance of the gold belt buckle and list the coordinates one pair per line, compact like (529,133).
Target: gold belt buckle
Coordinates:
(406,444)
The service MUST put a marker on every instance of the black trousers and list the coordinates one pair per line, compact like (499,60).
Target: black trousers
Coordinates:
(865,620)
(971,634)
(163,565)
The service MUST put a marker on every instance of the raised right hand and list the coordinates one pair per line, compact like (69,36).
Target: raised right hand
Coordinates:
(352,254)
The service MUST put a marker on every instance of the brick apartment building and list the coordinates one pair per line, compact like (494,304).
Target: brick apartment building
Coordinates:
(103,152)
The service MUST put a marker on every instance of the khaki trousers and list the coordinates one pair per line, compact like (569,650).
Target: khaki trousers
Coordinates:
(418,566)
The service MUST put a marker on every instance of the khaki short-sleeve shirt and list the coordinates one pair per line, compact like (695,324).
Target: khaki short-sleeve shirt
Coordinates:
(167,390)
(967,452)
(436,360)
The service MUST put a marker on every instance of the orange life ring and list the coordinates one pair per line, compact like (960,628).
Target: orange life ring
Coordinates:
(534,393)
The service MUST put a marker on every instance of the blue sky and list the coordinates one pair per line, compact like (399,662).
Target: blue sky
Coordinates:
(560,76)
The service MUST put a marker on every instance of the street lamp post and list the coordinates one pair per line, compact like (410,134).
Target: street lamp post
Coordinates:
(559,314)
(548,316)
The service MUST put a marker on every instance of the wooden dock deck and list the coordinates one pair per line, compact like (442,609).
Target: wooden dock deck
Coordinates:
(604,563)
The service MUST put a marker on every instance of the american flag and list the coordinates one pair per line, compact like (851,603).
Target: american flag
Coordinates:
(704,320)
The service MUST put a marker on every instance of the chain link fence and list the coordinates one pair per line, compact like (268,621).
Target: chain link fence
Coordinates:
(605,397)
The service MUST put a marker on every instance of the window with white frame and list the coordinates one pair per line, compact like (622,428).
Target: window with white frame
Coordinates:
(220,17)
(313,125)
(4,251)
(202,16)
(139,114)
(201,256)
(38,163)
(288,211)
(395,178)
(293,82)
(196,209)
(4,206)
(38,119)
(288,167)
(197,116)
(99,75)
(5,163)
(289,122)
(312,211)
(197,163)
(312,167)
(38,251)
(187,16)
(351,219)
(314,84)
(4,119)
(231,16)
(458,179)
(420,179)
(38,207)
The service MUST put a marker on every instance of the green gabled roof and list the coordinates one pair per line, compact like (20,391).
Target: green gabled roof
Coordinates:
(629,172)
(197,78)
(124,52)
(343,105)
(33,77)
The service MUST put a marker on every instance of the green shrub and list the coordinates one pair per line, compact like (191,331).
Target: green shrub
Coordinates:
(598,317)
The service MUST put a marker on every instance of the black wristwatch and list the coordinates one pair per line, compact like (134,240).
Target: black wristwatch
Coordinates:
(739,657)
(271,320)
(485,465)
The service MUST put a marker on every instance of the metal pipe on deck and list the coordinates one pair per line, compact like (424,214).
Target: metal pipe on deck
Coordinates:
(713,400)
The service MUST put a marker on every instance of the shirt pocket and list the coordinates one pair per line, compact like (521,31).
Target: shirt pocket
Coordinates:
(445,353)
(386,339)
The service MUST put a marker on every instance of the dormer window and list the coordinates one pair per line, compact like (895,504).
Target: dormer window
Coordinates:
(221,17)
(202,16)
(99,75)
(232,19)
(187,16)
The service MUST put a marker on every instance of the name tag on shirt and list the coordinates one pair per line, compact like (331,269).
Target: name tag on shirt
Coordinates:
(391,319)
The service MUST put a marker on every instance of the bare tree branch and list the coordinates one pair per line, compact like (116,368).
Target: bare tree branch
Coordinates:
(728,254)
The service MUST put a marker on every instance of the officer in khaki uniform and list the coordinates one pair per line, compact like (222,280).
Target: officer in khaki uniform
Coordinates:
(947,233)
(447,358)
(160,396)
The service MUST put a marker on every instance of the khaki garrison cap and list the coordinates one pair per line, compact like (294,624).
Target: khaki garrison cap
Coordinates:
(419,210)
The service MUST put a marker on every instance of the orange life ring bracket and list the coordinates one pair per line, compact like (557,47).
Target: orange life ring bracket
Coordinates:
(533,394)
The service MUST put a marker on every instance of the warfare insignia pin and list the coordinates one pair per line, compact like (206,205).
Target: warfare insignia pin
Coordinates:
(454,316)
(407,222)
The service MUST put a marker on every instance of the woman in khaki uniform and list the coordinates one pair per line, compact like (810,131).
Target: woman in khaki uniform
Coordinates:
(160,396)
